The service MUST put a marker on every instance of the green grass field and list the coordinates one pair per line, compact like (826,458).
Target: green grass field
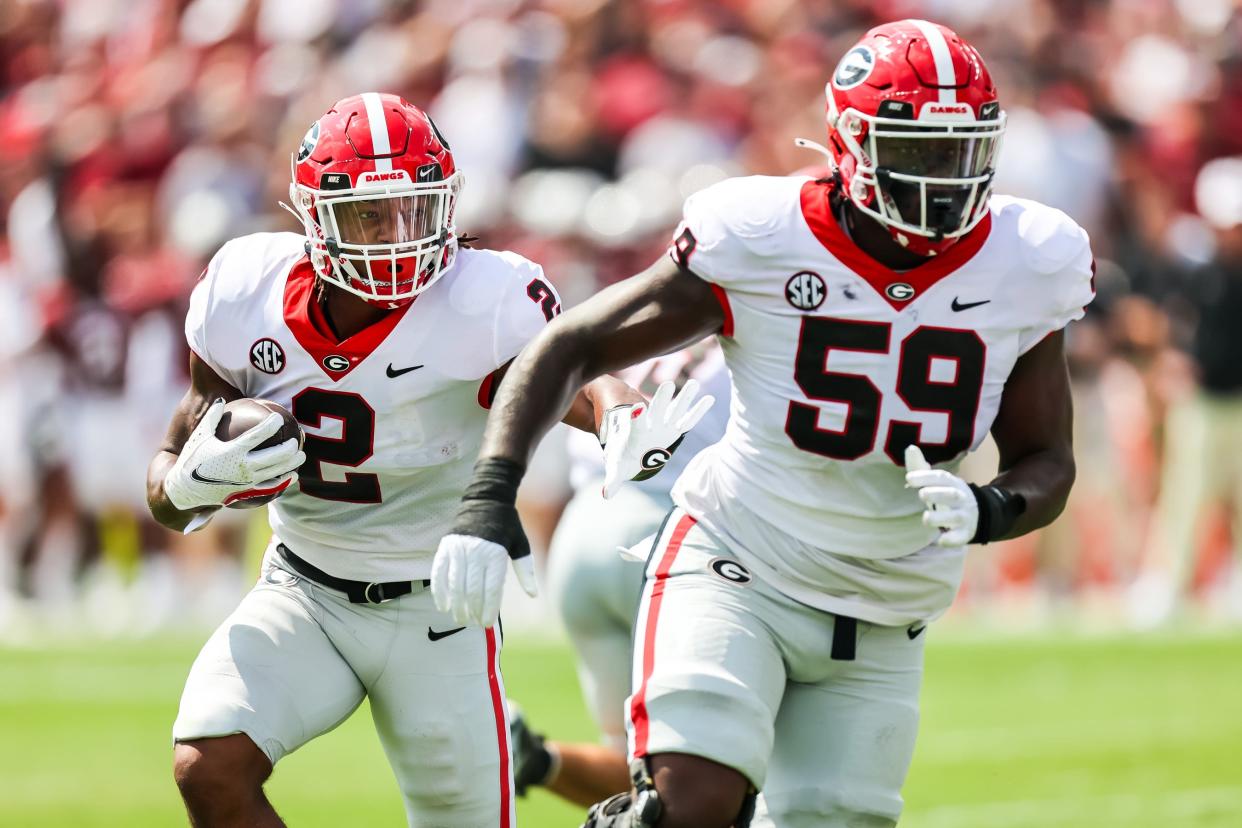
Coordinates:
(1086,733)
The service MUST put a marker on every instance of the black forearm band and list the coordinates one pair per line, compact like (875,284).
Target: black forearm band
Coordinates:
(495,478)
(999,510)
(487,509)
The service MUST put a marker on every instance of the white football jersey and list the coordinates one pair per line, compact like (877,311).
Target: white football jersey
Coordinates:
(838,363)
(702,361)
(393,415)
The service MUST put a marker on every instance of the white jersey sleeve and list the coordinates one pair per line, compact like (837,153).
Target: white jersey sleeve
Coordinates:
(729,230)
(199,313)
(234,280)
(530,303)
(1059,265)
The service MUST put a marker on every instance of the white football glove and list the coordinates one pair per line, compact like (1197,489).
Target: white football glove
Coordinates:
(951,505)
(214,472)
(639,439)
(468,578)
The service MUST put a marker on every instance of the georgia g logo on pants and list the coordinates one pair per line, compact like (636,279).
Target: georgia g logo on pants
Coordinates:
(730,570)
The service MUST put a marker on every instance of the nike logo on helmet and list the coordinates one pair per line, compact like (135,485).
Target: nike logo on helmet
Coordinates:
(393,373)
(961,306)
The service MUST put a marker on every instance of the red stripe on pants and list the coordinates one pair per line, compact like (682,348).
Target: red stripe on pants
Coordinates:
(502,725)
(638,704)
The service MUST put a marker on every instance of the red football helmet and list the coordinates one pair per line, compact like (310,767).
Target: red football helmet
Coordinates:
(914,128)
(374,185)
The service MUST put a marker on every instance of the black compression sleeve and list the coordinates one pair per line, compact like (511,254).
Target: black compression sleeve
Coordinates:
(487,507)
(999,509)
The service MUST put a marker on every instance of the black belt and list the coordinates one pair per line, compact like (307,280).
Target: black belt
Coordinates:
(844,638)
(358,592)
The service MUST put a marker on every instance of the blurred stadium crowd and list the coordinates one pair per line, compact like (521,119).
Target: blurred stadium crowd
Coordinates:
(137,135)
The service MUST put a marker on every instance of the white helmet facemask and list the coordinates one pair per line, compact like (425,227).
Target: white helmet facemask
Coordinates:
(382,243)
(929,179)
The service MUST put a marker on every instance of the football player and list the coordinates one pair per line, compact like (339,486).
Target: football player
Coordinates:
(877,325)
(595,589)
(385,338)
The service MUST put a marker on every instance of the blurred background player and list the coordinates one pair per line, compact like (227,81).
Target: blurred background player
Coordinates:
(873,323)
(595,587)
(1203,434)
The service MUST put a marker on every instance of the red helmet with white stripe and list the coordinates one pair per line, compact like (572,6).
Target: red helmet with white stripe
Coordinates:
(374,185)
(914,128)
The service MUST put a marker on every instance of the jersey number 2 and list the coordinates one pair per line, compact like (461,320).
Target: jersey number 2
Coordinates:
(544,297)
(352,448)
(955,395)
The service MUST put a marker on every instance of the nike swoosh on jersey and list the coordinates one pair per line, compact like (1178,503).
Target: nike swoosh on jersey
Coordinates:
(914,632)
(396,372)
(961,306)
(213,481)
(432,635)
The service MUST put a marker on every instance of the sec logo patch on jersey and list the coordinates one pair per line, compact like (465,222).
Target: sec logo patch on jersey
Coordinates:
(806,290)
(267,356)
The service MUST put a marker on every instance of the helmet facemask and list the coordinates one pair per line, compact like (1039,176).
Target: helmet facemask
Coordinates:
(928,182)
(385,244)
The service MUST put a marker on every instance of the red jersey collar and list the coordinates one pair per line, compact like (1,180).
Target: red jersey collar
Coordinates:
(890,284)
(336,359)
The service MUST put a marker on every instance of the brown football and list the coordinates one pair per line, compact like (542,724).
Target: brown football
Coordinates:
(242,415)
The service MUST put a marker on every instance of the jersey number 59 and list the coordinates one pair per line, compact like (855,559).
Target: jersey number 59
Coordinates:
(956,396)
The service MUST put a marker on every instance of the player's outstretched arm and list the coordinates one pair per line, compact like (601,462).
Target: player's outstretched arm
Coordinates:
(195,472)
(656,312)
(1034,432)
(660,310)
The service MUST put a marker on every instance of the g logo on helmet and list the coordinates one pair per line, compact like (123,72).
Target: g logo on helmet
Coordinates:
(309,140)
(854,68)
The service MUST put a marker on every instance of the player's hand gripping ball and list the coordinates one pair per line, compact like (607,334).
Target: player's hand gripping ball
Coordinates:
(950,505)
(639,439)
(241,454)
